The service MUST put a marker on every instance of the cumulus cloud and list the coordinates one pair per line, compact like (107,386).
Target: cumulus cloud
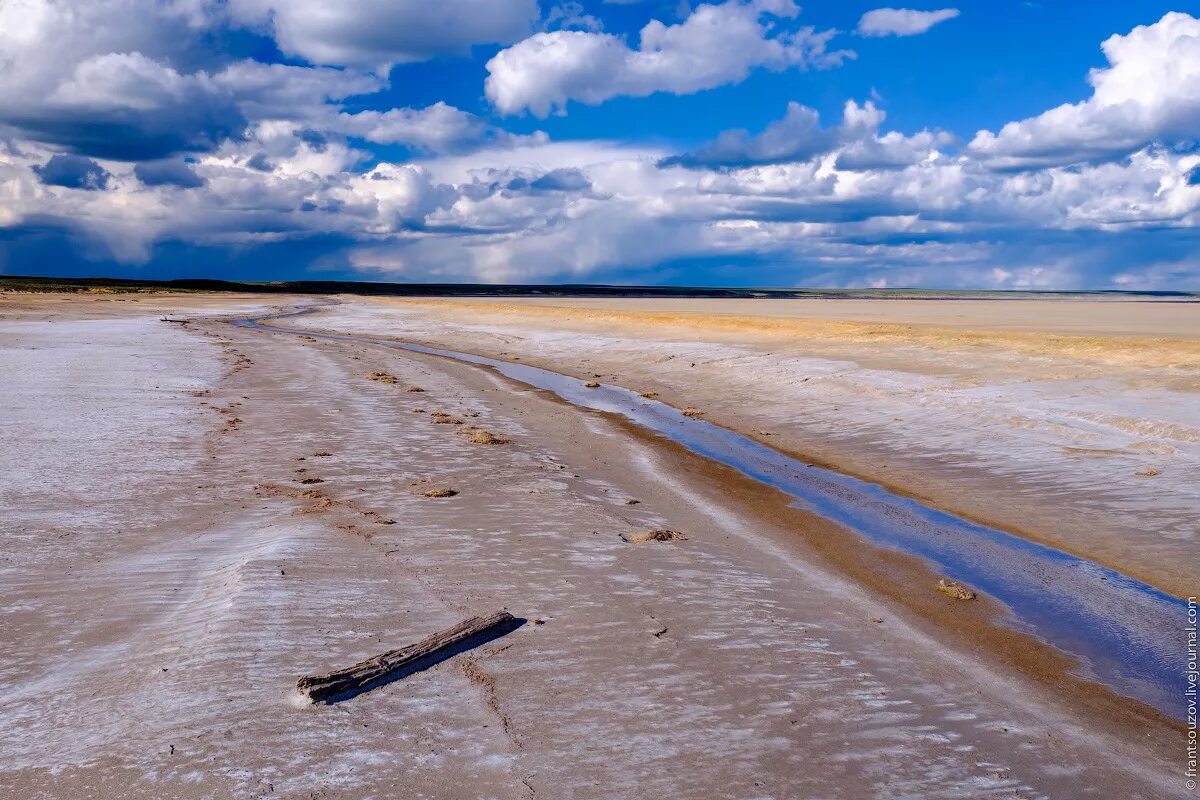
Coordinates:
(293,155)
(96,77)
(133,80)
(439,128)
(561,180)
(901,21)
(284,91)
(167,173)
(73,172)
(580,210)
(375,34)
(713,46)
(798,136)
(1149,92)
(570,16)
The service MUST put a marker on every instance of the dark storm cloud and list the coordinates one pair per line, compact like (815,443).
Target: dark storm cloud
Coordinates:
(73,172)
(168,173)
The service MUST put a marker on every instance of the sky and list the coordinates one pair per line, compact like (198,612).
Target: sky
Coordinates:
(992,144)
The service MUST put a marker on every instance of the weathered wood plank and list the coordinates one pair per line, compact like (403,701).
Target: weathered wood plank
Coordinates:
(394,664)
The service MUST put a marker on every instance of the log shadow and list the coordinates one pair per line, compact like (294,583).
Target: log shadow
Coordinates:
(428,661)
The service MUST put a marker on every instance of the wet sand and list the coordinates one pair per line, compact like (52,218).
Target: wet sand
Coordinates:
(167,579)
(1069,422)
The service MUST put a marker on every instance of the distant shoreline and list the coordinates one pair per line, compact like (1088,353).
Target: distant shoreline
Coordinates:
(33,284)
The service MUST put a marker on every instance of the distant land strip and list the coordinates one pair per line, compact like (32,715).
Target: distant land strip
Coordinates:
(19,283)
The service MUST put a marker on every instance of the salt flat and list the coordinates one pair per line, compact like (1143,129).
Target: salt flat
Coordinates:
(169,574)
(1072,422)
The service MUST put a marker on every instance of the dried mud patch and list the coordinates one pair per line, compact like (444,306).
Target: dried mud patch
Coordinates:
(956,590)
(315,501)
(480,436)
(657,535)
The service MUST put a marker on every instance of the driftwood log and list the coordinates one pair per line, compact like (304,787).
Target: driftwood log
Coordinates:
(394,664)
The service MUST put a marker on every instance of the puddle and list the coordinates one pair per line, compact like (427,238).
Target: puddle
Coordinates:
(1126,634)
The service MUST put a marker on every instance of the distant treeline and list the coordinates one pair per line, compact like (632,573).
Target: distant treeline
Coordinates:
(16,283)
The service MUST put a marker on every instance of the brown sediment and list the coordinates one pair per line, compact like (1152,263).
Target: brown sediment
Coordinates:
(484,680)
(657,535)
(955,590)
(382,377)
(946,333)
(316,501)
(480,436)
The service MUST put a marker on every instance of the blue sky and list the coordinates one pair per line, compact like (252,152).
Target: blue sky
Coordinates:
(747,142)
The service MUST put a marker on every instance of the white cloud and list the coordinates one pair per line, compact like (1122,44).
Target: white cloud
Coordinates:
(439,128)
(282,91)
(800,137)
(851,202)
(797,137)
(715,45)
(101,77)
(374,34)
(580,209)
(135,79)
(902,21)
(1149,92)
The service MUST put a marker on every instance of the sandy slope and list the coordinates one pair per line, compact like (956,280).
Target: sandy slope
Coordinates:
(1070,422)
(166,581)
